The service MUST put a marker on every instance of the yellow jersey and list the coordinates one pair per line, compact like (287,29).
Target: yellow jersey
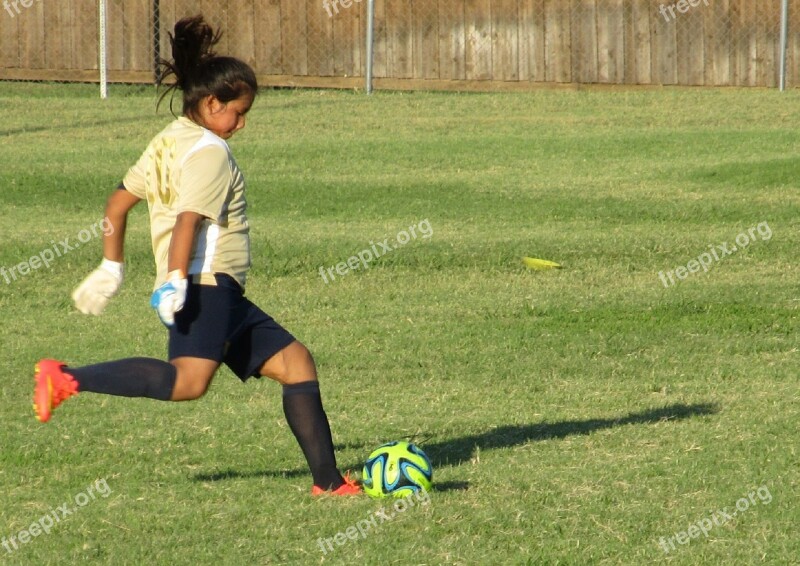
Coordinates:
(188,168)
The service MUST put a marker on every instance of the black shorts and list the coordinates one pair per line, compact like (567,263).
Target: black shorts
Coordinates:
(220,324)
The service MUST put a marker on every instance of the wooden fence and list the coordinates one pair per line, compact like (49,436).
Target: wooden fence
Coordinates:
(419,43)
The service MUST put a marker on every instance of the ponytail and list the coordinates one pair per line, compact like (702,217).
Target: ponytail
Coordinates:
(198,71)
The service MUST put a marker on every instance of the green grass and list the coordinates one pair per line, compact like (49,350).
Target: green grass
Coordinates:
(573,416)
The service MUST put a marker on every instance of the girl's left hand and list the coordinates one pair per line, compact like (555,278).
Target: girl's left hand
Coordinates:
(170,297)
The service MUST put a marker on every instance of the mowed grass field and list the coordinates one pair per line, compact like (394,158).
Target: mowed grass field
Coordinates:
(573,416)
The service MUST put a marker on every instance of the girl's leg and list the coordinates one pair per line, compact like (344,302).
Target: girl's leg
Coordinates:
(293,364)
(183,379)
(294,368)
(131,377)
(194,375)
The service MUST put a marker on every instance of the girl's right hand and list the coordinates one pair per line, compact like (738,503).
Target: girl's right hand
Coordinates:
(93,295)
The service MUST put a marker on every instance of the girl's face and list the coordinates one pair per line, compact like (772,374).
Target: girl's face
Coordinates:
(224,118)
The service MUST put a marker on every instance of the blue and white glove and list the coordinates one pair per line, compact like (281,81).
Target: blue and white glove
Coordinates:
(170,297)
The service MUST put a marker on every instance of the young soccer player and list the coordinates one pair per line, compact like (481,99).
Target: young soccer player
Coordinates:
(196,198)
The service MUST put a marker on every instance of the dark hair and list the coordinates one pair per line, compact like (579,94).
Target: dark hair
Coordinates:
(198,71)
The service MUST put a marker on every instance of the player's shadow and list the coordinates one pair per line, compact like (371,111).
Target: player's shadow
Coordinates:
(73,125)
(459,450)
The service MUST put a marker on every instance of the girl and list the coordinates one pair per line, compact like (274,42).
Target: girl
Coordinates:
(195,195)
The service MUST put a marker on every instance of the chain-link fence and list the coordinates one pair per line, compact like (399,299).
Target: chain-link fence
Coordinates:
(417,43)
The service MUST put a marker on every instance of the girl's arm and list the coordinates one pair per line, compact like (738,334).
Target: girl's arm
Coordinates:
(171,296)
(182,242)
(94,293)
(119,204)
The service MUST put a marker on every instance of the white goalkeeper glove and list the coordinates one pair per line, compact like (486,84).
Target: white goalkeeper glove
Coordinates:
(170,297)
(92,296)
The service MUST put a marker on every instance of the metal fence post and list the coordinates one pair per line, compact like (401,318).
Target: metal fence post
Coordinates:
(156,41)
(102,63)
(370,47)
(784,41)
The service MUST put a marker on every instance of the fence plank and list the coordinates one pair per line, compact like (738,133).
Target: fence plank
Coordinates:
(137,34)
(31,29)
(718,46)
(584,42)
(611,34)
(690,47)
(793,51)
(478,25)
(767,22)
(10,41)
(166,26)
(268,37)
(380,40)
(320,40)
(641,51)
(70,10)
(294,51)
(399,24)
(452,34)
(505,39)
(115,25)
(532,41)
(664,39)
(558,60)
(88,30)
(348,41)
(425,23)
(746,52)
(54,54)
(240,30)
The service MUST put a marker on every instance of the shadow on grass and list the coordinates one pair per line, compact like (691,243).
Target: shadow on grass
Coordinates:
(235,474)
(459,450)
(450,485)
(238,474)
(80,125)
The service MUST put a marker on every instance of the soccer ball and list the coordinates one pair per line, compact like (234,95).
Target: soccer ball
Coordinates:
(396,469)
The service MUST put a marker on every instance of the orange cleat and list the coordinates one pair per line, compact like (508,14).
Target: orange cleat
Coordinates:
(52,387)
(349,487)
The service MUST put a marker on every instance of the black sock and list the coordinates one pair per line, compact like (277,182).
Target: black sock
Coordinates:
(132,377)
(302,405)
